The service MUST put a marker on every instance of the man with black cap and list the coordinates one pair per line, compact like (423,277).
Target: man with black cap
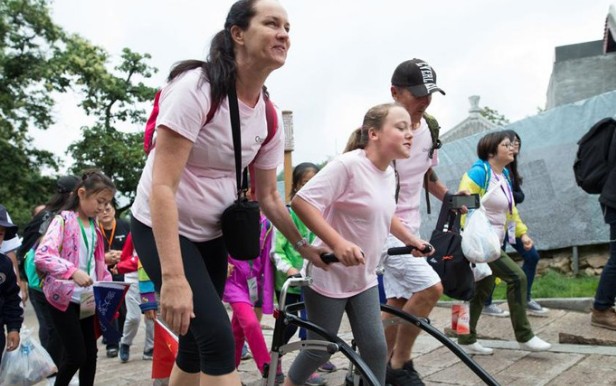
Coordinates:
(410,283)
(11,313)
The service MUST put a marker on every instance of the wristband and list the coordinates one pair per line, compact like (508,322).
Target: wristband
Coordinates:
(301,243)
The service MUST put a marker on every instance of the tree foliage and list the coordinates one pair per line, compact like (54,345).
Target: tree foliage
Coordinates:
(494,116)
(30,47)
(113,99)
(38,60)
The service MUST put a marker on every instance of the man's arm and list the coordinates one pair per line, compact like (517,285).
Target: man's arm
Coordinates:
(435,186)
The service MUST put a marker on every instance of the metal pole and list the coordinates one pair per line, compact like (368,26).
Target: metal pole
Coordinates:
(575,260)
(289,145)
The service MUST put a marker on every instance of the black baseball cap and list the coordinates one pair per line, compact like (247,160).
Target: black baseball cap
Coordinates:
(416,75)
(10,228)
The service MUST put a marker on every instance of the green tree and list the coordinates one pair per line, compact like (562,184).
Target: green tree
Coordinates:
(494,116)
(30,71)
(114,98)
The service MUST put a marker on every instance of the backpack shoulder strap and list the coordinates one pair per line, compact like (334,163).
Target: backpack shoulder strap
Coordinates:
(150,125)
(434,128)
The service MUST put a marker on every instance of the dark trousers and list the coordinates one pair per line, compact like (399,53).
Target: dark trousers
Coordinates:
(531,259)
(77,336)
(606,290)
(50,340)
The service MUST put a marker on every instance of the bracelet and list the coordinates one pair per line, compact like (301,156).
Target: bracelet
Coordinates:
(301,243)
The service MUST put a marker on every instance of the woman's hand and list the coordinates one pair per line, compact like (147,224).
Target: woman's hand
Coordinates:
(349,254)
(313,255)
(527,242)
(81,278)
(176,304)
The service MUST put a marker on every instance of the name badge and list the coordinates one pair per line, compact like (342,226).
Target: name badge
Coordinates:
(253,289)
(511,232)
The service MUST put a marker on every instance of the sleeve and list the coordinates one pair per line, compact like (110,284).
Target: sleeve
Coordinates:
(467,183)
(184,105)
(271,155)
(146,290)
(520,227)
(326,186)
(128,259)
(11,311)
(47,257)
(279,254)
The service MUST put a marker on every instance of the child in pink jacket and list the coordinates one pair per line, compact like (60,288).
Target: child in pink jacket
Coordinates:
(247,280)
(70,258)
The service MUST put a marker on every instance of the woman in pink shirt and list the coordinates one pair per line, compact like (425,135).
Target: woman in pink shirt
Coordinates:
(189,180)
(350,206)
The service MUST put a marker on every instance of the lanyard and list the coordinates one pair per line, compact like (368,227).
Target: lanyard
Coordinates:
(508,192)
(113,229)
(90,252)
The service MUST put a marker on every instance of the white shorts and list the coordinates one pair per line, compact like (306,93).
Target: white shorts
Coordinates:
(405,274)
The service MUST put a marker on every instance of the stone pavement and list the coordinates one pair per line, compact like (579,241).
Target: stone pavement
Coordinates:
(564,364)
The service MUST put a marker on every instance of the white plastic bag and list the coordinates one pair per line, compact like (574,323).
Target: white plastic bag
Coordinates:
(480,243)
(28,364)
(481,271)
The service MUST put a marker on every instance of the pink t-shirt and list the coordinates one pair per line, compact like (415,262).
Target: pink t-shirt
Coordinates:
(357,200)
(411,171)
(208,185)
(496,203)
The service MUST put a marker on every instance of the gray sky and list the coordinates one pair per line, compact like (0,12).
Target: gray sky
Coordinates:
(344,51)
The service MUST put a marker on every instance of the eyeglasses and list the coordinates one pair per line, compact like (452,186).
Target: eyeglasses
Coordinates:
(515,143)
(508,145)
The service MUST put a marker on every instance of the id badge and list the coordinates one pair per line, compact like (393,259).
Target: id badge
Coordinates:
(511,232)
(87,305)
(253,289)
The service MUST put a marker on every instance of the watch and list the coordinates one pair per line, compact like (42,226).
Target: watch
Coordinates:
(301,243)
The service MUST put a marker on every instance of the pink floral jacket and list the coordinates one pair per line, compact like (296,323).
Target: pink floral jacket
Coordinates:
(57,257)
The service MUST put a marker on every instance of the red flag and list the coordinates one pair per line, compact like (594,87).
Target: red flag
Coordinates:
(165,351)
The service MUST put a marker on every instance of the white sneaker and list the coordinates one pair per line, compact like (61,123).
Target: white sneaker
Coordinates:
(535,344)
(476,349)
(494,310)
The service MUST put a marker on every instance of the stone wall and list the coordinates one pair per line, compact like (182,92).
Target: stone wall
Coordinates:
(592,258)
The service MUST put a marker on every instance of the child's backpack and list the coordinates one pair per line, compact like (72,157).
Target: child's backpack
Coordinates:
(270,115)
(594,160)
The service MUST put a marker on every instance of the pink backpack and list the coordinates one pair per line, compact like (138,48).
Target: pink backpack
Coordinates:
(150,127)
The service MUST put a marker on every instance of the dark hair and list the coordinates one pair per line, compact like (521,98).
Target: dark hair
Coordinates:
(93,181)
(299,172)
(374,119)
(516,178)
(220,67)
(57,201)
(488,144)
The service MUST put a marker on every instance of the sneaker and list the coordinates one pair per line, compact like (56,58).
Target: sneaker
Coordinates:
(535,309)
(124,353)
(315,380)
(401,377)
(535,344)
(148,355)
(408,366)
(605,318)
(279,380)
(327,367)
(245,353)
(476,349)
(112,352)
(494,310)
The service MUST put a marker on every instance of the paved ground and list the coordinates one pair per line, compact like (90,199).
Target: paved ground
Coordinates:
(564,364)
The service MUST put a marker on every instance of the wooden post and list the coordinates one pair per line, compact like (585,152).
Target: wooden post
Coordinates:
(289,145)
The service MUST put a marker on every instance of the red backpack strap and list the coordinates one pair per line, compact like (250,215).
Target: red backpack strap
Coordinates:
(271,115)
(150,125)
